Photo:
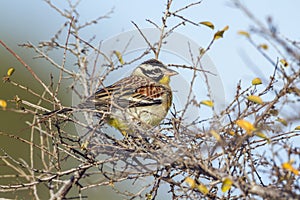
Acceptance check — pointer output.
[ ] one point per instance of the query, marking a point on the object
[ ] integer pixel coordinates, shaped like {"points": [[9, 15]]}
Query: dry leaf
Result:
{"points": [[244, 33], [84, 145], [264, 46], [274, 112], [149, 196], [191, 182], [255, 99], [220, 33], [216, 135], [203, 189], [226, 184], [247, 126], [10, 71], [208, 103], [282, 121], [256, 81], [284, 62], [231, 133], [288, 166], [119, 56], [263, 136], [3, 104], [208, 24]]}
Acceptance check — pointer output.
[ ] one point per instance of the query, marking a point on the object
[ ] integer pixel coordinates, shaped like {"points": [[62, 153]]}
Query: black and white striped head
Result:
{"points": [[154, 70]]}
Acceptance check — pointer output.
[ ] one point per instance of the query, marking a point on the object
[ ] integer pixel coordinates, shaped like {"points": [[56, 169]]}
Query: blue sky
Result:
{"points": [[21, 22]]}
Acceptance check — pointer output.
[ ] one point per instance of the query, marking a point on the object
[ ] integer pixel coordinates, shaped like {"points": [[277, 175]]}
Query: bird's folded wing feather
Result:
{"points": [[129, 92]]}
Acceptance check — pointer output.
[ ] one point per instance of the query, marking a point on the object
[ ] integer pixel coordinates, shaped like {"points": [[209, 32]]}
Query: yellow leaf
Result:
{"points": [[297, 128], [84, 145], [111, 183], [264, 46], [208, 24], [226, 184], [282, 121], [256, 81], [202, 51], [119, 56], [284, 62], [244, 33], [208, 103], [3, 104], [263, 136], [247, 126], [220, 33], [203, 189], [288, 166], [191, 182], [255, 99], [294, 90], [149, 196], [231, 133], [10, 71], [216, 135], [274, 112]]}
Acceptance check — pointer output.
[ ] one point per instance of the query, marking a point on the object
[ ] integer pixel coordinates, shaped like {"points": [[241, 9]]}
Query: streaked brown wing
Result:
{"points": [[104, 95], [133, 91], [147, 95], [151, 90]]}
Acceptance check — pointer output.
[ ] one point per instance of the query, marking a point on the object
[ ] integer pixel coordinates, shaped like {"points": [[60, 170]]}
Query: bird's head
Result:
{"points": [[154, 70]]}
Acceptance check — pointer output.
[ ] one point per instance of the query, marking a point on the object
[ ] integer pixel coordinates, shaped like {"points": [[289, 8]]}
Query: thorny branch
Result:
{"points": [[193, 159]]}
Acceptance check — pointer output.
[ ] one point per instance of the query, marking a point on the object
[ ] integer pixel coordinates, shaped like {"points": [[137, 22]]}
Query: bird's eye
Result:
{"points": [[156, 70]]}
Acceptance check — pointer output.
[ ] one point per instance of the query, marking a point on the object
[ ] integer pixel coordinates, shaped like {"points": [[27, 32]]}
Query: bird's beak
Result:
{"points": [[171, 72]]}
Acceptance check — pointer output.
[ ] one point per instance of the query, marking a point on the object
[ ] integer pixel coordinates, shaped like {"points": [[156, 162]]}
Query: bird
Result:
{"points": [[141, 100]]}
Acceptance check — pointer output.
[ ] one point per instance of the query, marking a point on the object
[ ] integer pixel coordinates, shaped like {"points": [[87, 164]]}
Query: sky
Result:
{"points": [[34, 22]]}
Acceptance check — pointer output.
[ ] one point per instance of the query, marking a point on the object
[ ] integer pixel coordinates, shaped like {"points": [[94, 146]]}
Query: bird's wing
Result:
{"points": [[133, 91]]}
